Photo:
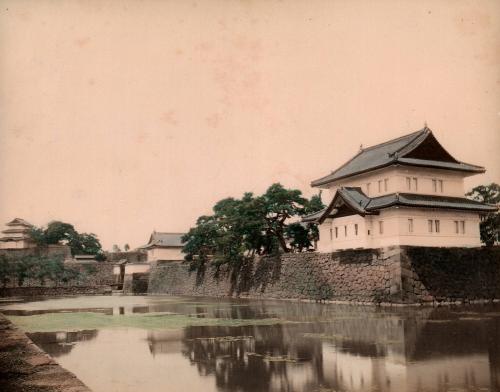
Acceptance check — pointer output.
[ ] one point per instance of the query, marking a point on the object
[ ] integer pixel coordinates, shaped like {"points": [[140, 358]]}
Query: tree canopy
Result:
{"points": [[242, 228], [490, 224], [58, 232]]}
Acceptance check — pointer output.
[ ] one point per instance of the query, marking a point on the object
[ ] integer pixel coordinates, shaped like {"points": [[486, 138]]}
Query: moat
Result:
{"points": [[131, 343]]}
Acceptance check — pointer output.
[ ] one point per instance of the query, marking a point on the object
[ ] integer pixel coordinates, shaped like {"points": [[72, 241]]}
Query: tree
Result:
{"points": [[280, 205], [242, 228], [490, 223], [58, 232], [6, 270], [116, 248], [200, 242], [126, 247]]}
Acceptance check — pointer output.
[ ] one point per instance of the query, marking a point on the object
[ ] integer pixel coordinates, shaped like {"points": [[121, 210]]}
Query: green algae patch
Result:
{"points": [[87, 320]]}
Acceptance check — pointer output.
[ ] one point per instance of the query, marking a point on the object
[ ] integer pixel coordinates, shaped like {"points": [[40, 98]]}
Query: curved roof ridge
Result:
{"points": [[397, 139]]}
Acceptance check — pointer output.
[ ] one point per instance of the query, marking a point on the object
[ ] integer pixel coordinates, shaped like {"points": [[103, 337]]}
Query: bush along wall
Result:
{"points": [[389, 275]]}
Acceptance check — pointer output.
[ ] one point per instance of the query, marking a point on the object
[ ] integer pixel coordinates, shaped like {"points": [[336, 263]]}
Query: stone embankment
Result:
{"points": [[395, 275], [24, 367], [94, 279]]}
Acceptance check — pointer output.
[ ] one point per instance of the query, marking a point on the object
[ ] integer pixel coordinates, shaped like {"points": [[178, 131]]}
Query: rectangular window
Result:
{"points": [[336, 232], [386, 184], [456, 227], [437, 225], [440, 186], [408, 183], [430, 225], [381, 227], [368, 188], [434, 185], [356, 229], [379, 186], [462, 223], [331, 234], [410, 225], [415, 183], [345, 231]]}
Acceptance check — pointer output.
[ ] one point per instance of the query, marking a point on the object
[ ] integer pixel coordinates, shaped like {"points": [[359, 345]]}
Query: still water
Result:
{"points": [[170, 344]]}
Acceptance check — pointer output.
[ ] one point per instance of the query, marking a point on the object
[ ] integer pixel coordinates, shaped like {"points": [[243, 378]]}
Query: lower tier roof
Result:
{"points": [[359, 203]]}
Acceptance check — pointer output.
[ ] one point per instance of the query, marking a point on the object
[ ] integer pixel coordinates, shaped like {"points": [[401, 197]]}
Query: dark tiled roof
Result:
{"points": [[314, 216], [165, 239], [364, 205], [19, 222], [393, 152], [429, 201]]}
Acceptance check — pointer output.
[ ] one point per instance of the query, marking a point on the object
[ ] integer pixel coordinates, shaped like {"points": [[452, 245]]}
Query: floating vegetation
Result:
{"points": [[224, 338], [439, 321], [274, 358], [87, 320], [323, 336], [472, 318]]}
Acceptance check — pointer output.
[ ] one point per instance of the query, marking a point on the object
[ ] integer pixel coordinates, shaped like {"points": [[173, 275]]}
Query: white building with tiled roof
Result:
{"points": [[164, 247], [406, 191], [16, 235]]}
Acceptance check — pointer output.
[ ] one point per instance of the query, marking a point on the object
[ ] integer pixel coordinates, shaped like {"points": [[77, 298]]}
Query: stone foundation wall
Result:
{"points": [[136, 283], [450, 274], [392, 275]]}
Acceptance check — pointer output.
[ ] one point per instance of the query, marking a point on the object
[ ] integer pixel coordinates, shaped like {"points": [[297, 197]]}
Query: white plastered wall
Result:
{"points": [[131, 268], [396, 229], [155, 254], [453, 182]]}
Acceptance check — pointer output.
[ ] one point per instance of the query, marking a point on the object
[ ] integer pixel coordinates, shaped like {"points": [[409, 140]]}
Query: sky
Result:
{"points": [[124, 117]]}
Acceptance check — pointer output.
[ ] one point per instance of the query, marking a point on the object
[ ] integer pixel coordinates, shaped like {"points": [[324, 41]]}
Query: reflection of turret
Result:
{"points": [[346, 348], [165, 342], [58, 344]]}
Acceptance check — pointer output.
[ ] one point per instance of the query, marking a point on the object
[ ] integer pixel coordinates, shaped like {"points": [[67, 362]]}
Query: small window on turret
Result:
{"points": [[410, 225]]}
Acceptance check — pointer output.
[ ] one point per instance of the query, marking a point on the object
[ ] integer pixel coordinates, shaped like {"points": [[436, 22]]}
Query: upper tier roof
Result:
{"points": [[165, 239], [419, 148], [359, 203], [19, 222]]}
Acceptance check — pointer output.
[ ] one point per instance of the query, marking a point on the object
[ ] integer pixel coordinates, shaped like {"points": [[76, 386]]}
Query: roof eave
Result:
{"points": [[317, 183]]}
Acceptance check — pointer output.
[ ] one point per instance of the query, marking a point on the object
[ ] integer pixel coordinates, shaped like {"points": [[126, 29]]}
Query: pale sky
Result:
{"points": [[122, 117]]}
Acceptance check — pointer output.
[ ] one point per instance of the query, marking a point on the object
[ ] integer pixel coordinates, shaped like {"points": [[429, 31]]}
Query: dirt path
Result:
{"points": [[25, 367]]}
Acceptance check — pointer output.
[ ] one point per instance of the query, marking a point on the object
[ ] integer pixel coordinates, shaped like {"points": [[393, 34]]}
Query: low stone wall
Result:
{"points": [[95, 278], [25, 367], [63, 251], [41, 291], [389, 275]]}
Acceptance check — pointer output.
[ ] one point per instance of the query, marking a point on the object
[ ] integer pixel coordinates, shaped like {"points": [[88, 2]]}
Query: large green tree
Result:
{"points": [[58, 232], [242, 228], [490, 223]]}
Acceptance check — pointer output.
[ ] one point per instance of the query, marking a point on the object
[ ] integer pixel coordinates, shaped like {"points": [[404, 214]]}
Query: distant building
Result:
{"points": [[84, 258], [164, 247], [406, 191], [17, 236]]}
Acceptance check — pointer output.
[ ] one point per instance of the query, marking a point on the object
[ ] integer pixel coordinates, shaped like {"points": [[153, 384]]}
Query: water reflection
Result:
{"points": [[320, 348], [57, 344]]}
